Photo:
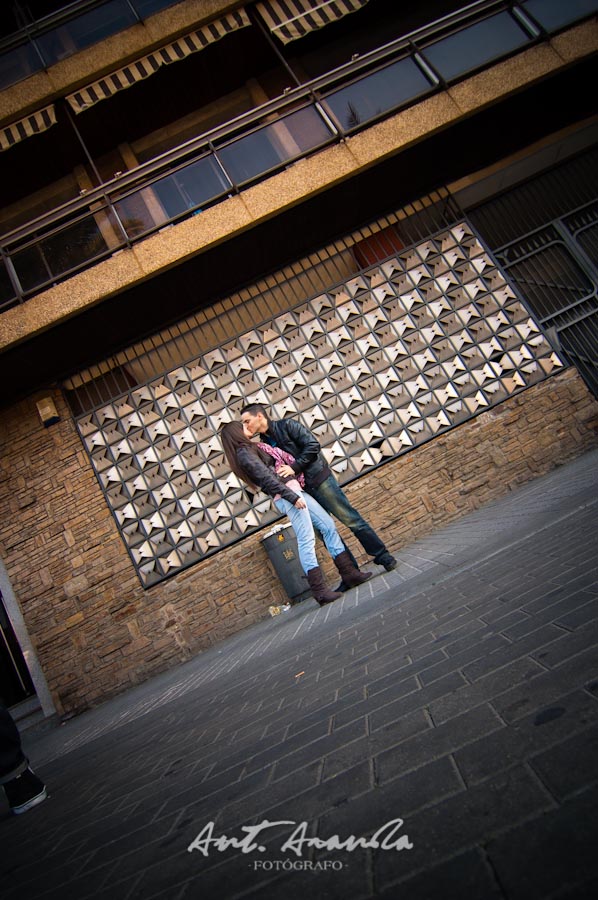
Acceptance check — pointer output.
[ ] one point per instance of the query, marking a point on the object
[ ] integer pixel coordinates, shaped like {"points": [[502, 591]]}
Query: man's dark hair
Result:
{"points": [[254, 408]]}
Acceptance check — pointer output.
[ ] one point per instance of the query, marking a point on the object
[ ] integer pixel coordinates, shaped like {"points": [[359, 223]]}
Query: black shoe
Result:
{"points": [[24, 792], [388, 561]]}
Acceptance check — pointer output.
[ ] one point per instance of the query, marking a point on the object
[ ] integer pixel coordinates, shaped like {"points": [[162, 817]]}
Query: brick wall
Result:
{"points": [[95, 629]]}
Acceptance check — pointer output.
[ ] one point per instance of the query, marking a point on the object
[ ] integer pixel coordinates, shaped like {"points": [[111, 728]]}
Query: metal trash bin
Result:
{"points": [[280, 544]]}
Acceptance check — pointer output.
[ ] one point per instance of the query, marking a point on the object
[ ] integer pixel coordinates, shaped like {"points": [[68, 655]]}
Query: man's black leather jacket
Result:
{"points": [[292, 436]]}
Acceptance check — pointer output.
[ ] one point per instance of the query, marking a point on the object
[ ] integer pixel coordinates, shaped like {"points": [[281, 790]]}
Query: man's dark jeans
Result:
{"points": [[330, 495]]}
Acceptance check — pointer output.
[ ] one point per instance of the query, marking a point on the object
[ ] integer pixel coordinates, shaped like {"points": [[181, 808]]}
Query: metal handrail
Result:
{"points": [[307, 95], [309, 91], [72, 11], [68, 13], [147, 173]]}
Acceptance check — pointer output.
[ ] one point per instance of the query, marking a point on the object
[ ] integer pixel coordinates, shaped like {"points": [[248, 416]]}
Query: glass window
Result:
{"points": [[553, 14], [189, 188], [76, 245], [17, 64], [376, 24], [27, 204], [140, 212], [201, 181], [147, 7], [269, 147], [31, 268], [7, 292], [375, 94], [476, 45], [85, 30]]}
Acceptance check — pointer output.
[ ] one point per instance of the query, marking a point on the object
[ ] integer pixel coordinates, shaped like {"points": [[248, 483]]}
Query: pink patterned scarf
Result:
{"points": [[281, 457]]}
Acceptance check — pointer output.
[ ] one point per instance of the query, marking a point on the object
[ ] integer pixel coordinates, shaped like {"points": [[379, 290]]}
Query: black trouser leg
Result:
{"points": [[12, 759]]}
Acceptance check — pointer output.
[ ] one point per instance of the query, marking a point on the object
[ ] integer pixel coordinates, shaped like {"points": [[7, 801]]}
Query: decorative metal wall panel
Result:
{"points": [[374, 367]]}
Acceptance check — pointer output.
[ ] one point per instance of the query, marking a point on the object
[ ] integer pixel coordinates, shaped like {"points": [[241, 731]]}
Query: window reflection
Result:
{"points": [[553, 14], [7, 292], [274, 144], [18, 64], [76, 33], [476, 45], [59, 253], [31, 268], [85, 30], [147, 7], [189, 188], [200, 182], [377, 93], [140, 212]]}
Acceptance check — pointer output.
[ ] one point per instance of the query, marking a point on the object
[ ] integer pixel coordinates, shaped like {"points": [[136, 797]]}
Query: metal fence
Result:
{"points": [[551, 255]]}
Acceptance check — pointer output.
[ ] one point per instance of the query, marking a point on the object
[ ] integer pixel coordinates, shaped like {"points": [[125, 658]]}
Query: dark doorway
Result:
{"points": [[15, 681]]}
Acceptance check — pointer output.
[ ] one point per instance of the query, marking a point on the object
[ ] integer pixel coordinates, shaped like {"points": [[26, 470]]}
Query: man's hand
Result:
{"points": [[286, 471], [300, 503]]}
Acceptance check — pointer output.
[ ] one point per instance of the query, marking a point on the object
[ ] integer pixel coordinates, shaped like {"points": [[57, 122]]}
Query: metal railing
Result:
{"points": [[48, 40], [218, 163]]}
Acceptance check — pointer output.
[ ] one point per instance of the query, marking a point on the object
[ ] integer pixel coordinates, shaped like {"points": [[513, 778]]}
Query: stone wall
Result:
{"points": [[465, 468], [97, 631]]}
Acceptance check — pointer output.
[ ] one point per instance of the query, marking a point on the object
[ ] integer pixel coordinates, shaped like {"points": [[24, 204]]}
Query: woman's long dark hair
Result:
{"points": [[233, 438]]}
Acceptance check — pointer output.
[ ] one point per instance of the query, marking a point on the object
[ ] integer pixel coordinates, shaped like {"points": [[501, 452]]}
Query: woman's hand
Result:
{"points": [[285, 471], [300, 503]]}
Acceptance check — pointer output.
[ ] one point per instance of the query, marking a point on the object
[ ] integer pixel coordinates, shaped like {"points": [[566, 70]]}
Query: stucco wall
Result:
{"points": [[97, 632]]}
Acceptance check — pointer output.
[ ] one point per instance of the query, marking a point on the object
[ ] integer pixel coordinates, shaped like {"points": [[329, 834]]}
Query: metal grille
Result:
{"points": [[256, 304], [417, 339], [555, 265]]}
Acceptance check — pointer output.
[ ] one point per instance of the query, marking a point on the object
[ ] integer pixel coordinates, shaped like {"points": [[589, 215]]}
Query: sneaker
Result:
{"points": [[24, 792]]}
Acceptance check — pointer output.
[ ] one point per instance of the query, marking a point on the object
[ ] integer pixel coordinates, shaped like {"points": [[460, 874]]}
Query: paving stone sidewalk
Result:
{"points": [[458, 694]]}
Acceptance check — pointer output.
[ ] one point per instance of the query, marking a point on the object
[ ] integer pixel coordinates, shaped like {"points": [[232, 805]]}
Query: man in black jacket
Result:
{"points": [[292, 436]]}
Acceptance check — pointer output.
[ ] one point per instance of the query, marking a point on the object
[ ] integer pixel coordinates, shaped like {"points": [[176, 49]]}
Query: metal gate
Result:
{"points": [[554, 265]]}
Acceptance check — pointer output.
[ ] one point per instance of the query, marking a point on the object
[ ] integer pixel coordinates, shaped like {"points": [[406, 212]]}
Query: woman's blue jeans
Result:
{"points": [[330, 496], [303, 522]]}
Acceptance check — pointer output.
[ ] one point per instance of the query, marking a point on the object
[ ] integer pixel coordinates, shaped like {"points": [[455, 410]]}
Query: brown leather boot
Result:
{"points": [[350, 575], [321, 593]]}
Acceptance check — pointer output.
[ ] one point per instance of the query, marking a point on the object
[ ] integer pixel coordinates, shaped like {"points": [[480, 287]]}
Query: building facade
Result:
{"points": [[381, 220]]}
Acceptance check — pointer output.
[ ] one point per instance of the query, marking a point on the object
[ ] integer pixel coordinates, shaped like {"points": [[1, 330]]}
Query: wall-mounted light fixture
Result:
{"points": [[47, 411]]}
